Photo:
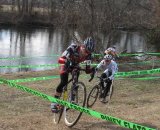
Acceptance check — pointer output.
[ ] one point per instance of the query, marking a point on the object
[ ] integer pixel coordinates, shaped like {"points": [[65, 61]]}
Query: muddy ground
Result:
{"points": [[133, 100]]}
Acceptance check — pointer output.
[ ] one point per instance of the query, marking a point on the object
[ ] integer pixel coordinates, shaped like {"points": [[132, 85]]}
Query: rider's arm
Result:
{"points": [[65, 58], [100, 65], [88, 62], [114, 69], [69, 52]]}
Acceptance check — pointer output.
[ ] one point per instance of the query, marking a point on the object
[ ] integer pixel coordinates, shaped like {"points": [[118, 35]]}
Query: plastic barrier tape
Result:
{"points": [[142, 78], [90, 112], [20, 58], [30, 66], [34, 79], [126, 54], [142, 72], [82, 64], [119, 74], [142, 62], [57, 76], [36, 66], [133, 54]]}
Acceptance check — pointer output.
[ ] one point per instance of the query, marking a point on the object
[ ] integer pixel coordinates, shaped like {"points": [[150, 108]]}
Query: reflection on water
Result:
{"points": [[29, 42], [130, 41]]}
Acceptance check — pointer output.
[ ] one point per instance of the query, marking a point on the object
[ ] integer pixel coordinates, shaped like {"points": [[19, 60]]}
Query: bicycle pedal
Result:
{"points": [[59, 107], [67, 109], [55, 110]]}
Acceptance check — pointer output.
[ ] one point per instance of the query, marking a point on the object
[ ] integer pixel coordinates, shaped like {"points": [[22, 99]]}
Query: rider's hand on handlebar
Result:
{"points": [[70, 63], [108, 80], [92, 73]]}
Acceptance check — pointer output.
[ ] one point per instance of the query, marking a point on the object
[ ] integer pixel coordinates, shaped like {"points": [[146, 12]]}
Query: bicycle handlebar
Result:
{"points": [[104, 79], [81, 69]]}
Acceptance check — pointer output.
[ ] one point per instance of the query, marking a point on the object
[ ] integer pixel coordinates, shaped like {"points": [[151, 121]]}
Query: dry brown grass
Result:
{"points": [[135, 101]]}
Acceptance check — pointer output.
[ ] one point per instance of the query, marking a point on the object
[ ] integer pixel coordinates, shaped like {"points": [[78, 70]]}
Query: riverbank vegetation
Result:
{"points": [[94, 14], [88, 17]]}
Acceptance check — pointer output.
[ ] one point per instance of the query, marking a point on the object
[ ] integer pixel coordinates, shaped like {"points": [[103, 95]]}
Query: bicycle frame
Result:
{"points": [[65, 94], [96, 92]]}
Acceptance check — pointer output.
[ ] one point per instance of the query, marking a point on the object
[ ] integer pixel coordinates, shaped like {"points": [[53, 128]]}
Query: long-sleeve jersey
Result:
{"points": [[108, 67], [72, 53]]}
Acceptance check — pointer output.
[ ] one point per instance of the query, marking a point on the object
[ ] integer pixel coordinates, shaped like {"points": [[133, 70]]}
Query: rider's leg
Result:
{"points": [[59, 89], [75, 88], [103, 76], [107, 87], [63, 82]]}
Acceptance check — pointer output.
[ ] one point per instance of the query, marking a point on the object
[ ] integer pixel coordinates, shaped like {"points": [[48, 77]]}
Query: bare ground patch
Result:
{"points": [[133, 100]]}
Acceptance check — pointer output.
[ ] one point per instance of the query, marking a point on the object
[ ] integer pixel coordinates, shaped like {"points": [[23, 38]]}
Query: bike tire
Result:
{"points": [[71, 116], [57, 116], [93, 95]]}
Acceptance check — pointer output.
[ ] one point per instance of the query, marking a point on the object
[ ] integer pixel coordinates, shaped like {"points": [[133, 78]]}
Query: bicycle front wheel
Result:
{"points": [[57, 116], [77, 96], [92, 96]]}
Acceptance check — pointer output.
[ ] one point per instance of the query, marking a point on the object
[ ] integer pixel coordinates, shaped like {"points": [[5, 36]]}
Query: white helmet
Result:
{"points": [[114, 46], [108, 57]]}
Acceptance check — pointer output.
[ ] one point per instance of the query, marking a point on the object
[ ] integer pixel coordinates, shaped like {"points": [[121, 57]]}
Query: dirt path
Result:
{"points": [[133, 100]]}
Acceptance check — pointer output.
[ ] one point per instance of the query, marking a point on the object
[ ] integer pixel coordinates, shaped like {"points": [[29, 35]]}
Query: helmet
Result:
{"points": [[114, 46], [108, 57], [89, 44]]}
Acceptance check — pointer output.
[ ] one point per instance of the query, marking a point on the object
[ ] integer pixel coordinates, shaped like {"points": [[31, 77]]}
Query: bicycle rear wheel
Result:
{"points": [[72, 116], [92, 96]]}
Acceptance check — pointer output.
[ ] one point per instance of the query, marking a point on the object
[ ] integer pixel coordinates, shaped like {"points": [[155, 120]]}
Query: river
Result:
{"points": [[36, 43]]}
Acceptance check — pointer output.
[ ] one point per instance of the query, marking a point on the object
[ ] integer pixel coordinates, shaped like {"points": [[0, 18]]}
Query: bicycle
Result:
{"points": [[74, 93], [98, 92]]}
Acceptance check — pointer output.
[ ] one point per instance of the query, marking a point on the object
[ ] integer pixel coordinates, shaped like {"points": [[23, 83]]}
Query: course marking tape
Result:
{"points": [[94, 54], [20, 58], [90, 112], [82, 64], [142, 72], [142, 62], [119, 74], [30, 66], [142, 78], [57, 76], [34, 79]]}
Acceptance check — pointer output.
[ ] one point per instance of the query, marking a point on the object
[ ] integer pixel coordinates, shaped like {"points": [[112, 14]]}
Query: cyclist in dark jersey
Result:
{"points": [[72, 56]]}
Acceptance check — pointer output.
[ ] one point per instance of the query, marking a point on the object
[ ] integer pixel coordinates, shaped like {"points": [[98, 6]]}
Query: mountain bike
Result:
{"points": [[98, 92], [73, 92]]}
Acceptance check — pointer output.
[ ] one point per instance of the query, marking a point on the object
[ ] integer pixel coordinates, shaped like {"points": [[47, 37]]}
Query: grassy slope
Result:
{"points": [[133, 100]]}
